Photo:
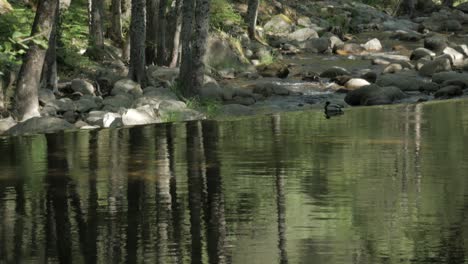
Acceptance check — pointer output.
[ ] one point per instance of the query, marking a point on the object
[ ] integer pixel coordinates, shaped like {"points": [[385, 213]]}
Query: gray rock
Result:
{"points": [[451, 25], [318, 45], [421, 53], [450, 78], [334, 72], [70, 116], [405, 80], [429, 87], [393, 68], [95, 118], [112, 120], [302, 34], [435, 43], [118, 101], [356, 83], [372, 45], [304, 22], [82, 86], [37, 125], [279, 24], [456, 57], [211, 91], [140, 116], [46, 96], [374, 95], [62, 105], [448, 92], [242, 100], [6, 124], [85, 105], [463, 49], [160, 93], [153, 101], [399, 24], [172, 105], [435, 66], [127, 86], [407, 35]]}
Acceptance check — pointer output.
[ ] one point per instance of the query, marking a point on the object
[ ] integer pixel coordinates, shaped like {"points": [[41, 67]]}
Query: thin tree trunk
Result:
{"points": [[137, 41], [116, 22], [448, 3], [202, 16], [188, 7], [176, 39], [252, 14], [161, 40], [49, 70], [27, 102], [97, 23], [152, 30], [407, 7]]}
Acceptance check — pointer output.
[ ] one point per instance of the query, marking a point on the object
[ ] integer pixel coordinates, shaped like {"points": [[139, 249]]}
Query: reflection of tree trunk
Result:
{"points": [[195, 164], [417, 134], [91, 244], [20, 213], [280, 194], [57, 180], [214, 215]]}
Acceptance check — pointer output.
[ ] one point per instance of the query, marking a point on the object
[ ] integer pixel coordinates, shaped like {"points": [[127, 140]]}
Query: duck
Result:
{"points": [[333, 109]]}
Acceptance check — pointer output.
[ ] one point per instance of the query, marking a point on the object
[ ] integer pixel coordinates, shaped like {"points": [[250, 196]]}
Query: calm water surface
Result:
{"points": [[377, 185]]}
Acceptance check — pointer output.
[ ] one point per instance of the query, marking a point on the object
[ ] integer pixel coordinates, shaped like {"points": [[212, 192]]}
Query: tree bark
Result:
{"points": [[188, 7], [96, 31], [137, 41], [407, 7], [448, 3], [252, 14], [202, 16], [27, 102], [176, 38], [116, 22], [152, 32], [161, 54], [49, 70]]}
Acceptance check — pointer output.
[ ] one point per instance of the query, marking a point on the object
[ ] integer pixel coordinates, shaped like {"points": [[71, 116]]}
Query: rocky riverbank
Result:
{"points": [[384, 60]]}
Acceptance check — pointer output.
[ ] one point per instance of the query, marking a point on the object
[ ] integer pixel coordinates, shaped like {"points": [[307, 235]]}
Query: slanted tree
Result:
{"points": [[26, 97], [137, 41], [96, 29], [252, 15], [176, 37]]}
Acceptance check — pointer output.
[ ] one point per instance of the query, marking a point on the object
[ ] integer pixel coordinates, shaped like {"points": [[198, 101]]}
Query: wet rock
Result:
{"points": [[39, 125], [429, 87], [127, 86], [372, 45], [242, 100], [334, 72], [405, 80], [336, 43], [463, 49], [448, 92], [279, 24], [356, 83], [267, 88], [318, 45], [407, 35], [112, 120], [451, 25], [350, 48], [140, 116], [46, 96], [70, 116], [435, 43], [455, 56], [399, 24], [302, 34], [82, 86], [435, 66], [421, 53], [374, 95], [370, 76], [393, 68], [461, 83], [450, 75]]}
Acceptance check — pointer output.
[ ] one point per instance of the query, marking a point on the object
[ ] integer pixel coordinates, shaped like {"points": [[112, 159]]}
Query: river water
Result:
{"points": [[376, 185]]}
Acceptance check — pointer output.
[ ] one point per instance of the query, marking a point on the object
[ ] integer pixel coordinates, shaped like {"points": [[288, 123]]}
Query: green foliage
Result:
{"points": [[209, 107], [171, 116], [223, 15]]}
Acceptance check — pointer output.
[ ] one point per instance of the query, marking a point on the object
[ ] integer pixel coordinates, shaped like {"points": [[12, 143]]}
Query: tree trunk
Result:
{"points": [[252, 14], [49, 70], [448, 3], [27, 103], [161, 54], [137, 41], [96, 31], [116, 22], [202, 16], [186, 62], [152, 30], [176, 38], [407, 7]]}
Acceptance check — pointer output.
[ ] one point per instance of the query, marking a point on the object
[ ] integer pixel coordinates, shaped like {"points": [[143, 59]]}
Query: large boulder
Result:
{"points": [[374, 95], [420, 53], [318, 45], [112, 120], [46, 96], [85, 105], [114, 103], [62, 105], [279, 24], [37, 125], [140, 116], [449, 92], [436, 43], [456, 57], [406, 81], [127, 86], [450, 76], [302, 35], [438, 65], [82, 86], [6, 124], [372, 45], [355, 83]]}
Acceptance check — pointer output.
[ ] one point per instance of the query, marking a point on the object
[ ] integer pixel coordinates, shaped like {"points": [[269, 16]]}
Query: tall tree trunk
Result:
{"points": [[27, 102], [448, 3], [137, 41], [176, 38], [202, 16], [252, 14], [49, 70], [152, 30], [188, 7], [407, 7], [96, 31], [161, 40], [116, 22]]}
